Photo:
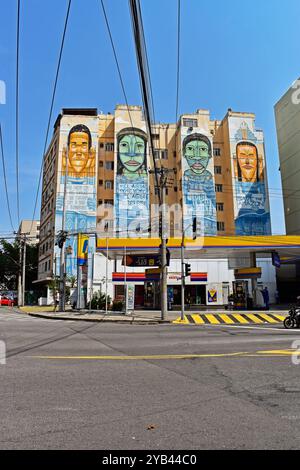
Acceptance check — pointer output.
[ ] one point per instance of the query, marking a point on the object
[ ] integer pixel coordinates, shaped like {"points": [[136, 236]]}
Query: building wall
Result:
{"points": [[287, 115], [94, 199]]}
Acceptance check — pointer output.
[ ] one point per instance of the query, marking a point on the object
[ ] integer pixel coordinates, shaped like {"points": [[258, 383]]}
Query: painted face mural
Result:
{"points": [[197, 153], [77, 186], [251, 205], [247, 162], [131, 204], [198, 184], [81, 156], [132, 152]]}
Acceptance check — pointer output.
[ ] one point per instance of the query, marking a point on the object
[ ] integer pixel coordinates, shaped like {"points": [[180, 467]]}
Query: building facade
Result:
{"points": [[98, 176], [287, 115], [30, 228]]}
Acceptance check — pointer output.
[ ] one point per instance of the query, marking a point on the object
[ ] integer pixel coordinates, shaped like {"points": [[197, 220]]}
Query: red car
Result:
{"points": [[7, 301]]}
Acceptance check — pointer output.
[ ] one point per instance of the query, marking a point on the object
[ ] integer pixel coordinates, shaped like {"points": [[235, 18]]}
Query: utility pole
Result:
{"points": [[24, 270], [61, 240], [163, 172], [164, 269], [20, 290]]}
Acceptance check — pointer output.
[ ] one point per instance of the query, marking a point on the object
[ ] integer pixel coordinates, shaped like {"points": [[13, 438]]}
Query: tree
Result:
{"points": [[9, 265]]}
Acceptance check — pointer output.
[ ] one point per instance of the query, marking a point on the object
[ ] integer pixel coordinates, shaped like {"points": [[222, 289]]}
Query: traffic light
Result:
{"points": [[194, 228], [61, 238], [187, 269]]}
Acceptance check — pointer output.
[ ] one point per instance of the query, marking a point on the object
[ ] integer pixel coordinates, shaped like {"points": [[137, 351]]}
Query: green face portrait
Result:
{"points": [[132, 152], [197, 154]]}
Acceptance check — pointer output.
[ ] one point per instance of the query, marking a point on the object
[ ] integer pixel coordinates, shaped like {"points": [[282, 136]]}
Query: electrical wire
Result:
{"points": [[178, 58], [51, 107], [17, 109], [5, 180], [144, 75]]}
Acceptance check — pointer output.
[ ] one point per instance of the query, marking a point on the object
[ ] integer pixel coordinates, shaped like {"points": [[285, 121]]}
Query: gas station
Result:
{"points": [[242, 254]]}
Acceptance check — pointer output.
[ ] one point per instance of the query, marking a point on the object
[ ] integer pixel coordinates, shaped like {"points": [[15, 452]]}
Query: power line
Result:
{"points": [[17, 108], [51, 108], [116, 59], [178, 59], [143, 68], [5, 179]]}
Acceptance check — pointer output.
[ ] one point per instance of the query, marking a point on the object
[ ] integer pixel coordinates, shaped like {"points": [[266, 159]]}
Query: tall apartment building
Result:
{"points": [[287, 115], [30, 228], [97, 176]]}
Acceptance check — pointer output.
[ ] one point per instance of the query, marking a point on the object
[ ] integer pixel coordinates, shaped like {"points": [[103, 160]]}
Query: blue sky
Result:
{"points": [[239, 55]]}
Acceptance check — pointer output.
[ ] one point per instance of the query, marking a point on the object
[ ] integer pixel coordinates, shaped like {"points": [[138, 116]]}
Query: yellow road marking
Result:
{"points": [[280, 317], [134, 358], [240, 318], [268, 318], [182, 322], [253, 317], [270, 353], [226, 318], [198, 319], [212, 319]]}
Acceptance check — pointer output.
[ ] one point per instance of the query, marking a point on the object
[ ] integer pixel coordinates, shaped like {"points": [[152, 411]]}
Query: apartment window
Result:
{"points": [[100, 202], [220, 206], [175, 189], [100, 182], [155, 136], [217, 152], [109, 147], [219, 188], [109, 165], [156, 154], [101, 145], [174, 153], [220, 226], [218, 170], [164, 154], [190, 122], [109, 184], [109, 202], [100, 163]]}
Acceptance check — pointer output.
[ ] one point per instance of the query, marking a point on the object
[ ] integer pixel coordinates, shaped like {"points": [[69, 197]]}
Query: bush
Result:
{"points": [[117, 306], [99, 301]]}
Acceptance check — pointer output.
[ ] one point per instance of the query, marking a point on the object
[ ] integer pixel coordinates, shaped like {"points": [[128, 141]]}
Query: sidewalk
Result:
{"points": [[138, 316]]}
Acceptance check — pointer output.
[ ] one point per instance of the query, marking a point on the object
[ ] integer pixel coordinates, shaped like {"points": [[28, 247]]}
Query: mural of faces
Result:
{"points": [[131, 152], [81, 157], [247, 162], [197, 151]]}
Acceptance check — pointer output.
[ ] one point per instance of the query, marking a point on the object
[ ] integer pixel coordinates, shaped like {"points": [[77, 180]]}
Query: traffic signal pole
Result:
{"points": [[164, 270], [182, 277]]}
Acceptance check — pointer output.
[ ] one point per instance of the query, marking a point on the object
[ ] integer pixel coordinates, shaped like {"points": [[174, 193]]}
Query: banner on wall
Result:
{"points": [[198, 184], [131, 203], [82, 249]]}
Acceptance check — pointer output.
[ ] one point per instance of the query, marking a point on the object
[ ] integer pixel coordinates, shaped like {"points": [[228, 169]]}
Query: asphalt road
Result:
{"points": [[74, 385]]}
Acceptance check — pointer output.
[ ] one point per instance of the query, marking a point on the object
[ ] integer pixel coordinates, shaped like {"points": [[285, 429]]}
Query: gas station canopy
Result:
{"points": [[220, 247]]}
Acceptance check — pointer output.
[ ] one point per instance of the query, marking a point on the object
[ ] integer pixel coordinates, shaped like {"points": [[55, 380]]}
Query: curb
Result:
{"points": [[100, 320]]}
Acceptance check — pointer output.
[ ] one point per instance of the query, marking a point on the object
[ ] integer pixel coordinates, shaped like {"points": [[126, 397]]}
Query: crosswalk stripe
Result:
{"points": [[198, 319], [212, 319], [239, 318], [253, 317], [190, 319], [267, 318], [279, 317], [226, 318]]}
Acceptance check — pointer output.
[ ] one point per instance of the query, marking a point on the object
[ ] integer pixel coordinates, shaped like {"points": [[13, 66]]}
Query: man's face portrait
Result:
{"points": [[78, 152], [197, 154], [132, 152], [247, 162]]}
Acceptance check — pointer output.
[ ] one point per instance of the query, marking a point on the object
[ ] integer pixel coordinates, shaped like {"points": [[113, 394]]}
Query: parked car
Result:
{"points": [[7, 301]]}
